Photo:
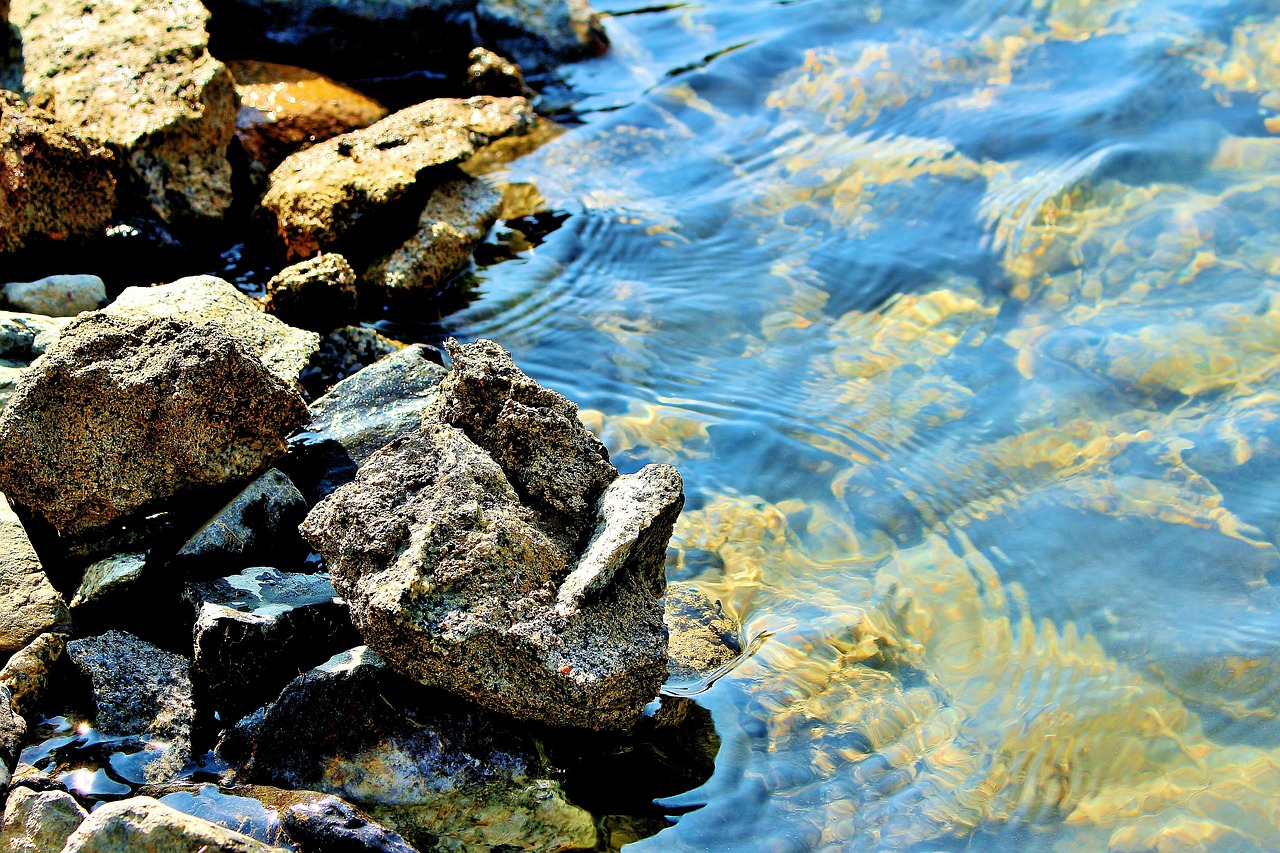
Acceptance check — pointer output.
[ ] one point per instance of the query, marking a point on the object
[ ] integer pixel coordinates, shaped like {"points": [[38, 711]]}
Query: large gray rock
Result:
{"points": [[28, 673], [57, 181], [284, 349], [496, 553], [57, 295], [138, 76], [29, 605], [144, 825], [258, 527], [121, 414], [39, 821], [317, 196]]}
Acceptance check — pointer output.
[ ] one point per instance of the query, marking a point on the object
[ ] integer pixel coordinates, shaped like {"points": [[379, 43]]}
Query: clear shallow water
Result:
{"points": [[962, 322]]}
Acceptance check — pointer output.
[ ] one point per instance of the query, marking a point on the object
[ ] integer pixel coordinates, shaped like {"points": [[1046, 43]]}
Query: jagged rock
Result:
{"points": [[39, 821], [29, 605], [57, 295], [284, 349], [491, 74], [28, 672], [496, 553], [346, 351], [258, 527], [318, 195], [169, 119], [144, 825], [456, 219], [108, 577], [702, 637], [120, 414], [318, 294], [139, 689], [257, 630], [58, 182], [425, 763], [538, 34]]}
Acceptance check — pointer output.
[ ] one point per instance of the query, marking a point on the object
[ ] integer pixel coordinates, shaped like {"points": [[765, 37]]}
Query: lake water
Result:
{"points": [[962, 322]]}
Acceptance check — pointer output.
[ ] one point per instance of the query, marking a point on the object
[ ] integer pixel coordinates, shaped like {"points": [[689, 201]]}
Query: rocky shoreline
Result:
{"points": [[270, 579]]}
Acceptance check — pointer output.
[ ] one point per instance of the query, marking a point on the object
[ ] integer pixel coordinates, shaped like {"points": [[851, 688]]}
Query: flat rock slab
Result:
{"points": [[144, 825], [138, 76], [39, 821], [29, 605]]}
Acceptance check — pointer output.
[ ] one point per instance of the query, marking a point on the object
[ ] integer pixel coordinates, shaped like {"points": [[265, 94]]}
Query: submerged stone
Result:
{"points": [[29, 605], [702, 638], [259, 525], [39, 821], [144, 825], [57, 295]]}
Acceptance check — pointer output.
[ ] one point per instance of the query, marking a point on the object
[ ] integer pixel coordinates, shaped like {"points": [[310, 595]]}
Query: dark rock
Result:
{"points": [[318, 195], [318, 294], [144, 825], [169, 119], [491, 74], [29, 605], [25, 336], [139, 689], [39, 821], [344, 352], [257, 630], [28, 673], [702, 638], [121, 414], [57, 295], [538, 34], [497, 554], [13, 728], [258, 527], [334, 826], [57, 182]]}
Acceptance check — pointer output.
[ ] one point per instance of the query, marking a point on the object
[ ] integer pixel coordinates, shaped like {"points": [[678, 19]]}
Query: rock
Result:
{"points": [[456, 219], [13, 729], [39, 821], [25, 336], [346, 351], [29, 605], [169, 117], [144, 825], [427, 764], [257, 630], [245, 815], [538, 34], [139, 689], [318, 294], [208, 299], [318, 195], [58, 182], [334, 825], [491, 74], [57, 295], [121, 414], [284, 109], [28, 672], [496, 553], [702, 638], [107, 577], [258, 527]]}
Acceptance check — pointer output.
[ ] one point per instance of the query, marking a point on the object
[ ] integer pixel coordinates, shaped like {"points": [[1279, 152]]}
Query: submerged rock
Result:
{"points": [[58, 182], [57, 295], [259, 526], [169, 118], [144, 825], [318, 195], [120, 414], [28, 672], [29, 605], [39, 821], [332, 824], [496, 553], [318, 294]]}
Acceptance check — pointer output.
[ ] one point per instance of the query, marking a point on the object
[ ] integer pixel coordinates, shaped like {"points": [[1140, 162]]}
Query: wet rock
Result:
{"points": [[144, 825], [57, 295], [245, 815], [284, 349], [27, 674], [491, 74], [58, 182], [107, 577], [169, 119], [538, 34], [334, 825], [431, 766], [497, 554], [39, 821], [456, 219], [120, 414], [346, 351], [318, 294], [258, 527], [29, 605], [139, 689], [702, 637], [257, 630], [317, 196]]}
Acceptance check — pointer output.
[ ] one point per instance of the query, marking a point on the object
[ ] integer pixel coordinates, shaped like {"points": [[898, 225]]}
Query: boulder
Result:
{"points": [[144, 825], [13, 729], [139, 77], [208, 299], [318, 294], [121, 414], [58, 182], [39, 821], [29, 605], [334, 824], [317, 196], [496, 553], [457, 218], [57, 295], [258, 527], [27, 674]]}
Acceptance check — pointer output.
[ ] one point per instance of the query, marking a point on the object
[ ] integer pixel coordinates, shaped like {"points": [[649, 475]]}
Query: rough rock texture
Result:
{"points": [[144, 825], [258, 527], [332, 824], [57, 182], [39, 821], [491, 74], [456, 219], [137, 75], [108, 577], [27, 674], [120, 414], [23, 337], [139, 689], [318, 294], [57, 295], [319, 194], [434, 768], [257, 630], [496, 553], [13, 729], [208, 299], [539, 33], [702, 637], [29, 605]]}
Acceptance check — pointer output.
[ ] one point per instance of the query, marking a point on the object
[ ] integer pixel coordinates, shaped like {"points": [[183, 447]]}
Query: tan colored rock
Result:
{"points": [[39, 821], [491, 74], [29, 605], [27, 673], [702, 638], [144, 825], [318, 294]]}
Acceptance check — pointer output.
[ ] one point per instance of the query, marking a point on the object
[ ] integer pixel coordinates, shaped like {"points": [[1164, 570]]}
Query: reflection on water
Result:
{"points": [[962, 322]]}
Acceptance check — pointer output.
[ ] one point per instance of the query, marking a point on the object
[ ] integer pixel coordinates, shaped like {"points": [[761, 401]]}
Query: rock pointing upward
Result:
{"points": [[497, 553]]}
